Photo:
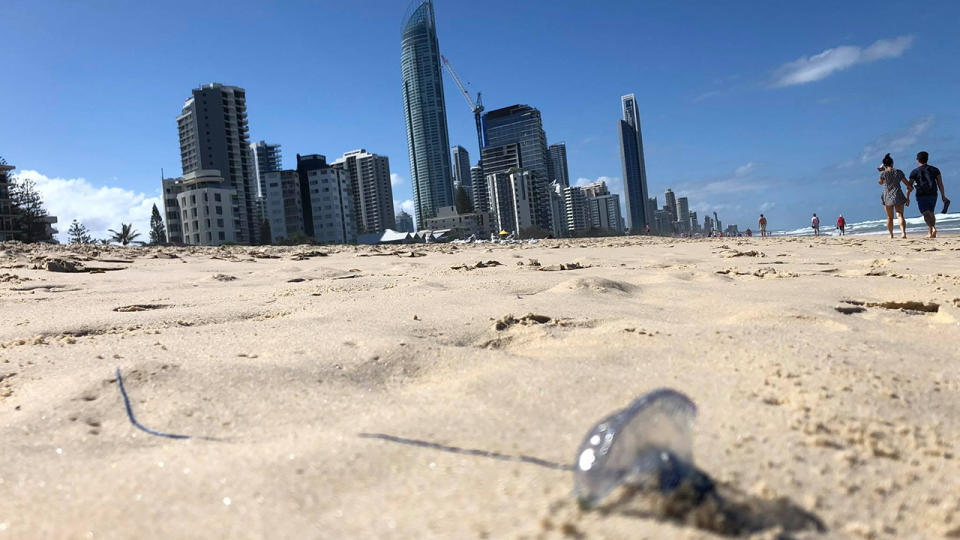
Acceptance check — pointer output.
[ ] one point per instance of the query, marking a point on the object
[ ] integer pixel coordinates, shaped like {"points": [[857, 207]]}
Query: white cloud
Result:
{"points": [[395, 179], [98, 207], [739, 182], [897, 142], [406, 206], [820, 66], [744, 170], [766, 206]]}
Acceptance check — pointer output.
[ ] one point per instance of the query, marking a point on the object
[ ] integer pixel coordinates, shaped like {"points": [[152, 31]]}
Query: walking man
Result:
{"points": [[926, 179], [763, 226], [815, 223], [841, 224]]}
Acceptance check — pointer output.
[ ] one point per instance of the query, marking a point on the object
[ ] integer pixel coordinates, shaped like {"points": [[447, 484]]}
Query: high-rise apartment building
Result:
{"points": [[425, 113], [522, 125], [558, 210], [497, 159], [652, 213], [683, 215], [171, 209], [214, 136], [404, 222], [558, 164], [266, 158], [372, 193], [671, 202], [283, 204], [511, 200], [200, 208], [603, 208], [461, 169], [575, 210], [481, 201], [327, 201], [634, 166]]}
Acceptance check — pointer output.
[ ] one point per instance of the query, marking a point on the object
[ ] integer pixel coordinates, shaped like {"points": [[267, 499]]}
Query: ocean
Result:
{"points": [[946, 224]]}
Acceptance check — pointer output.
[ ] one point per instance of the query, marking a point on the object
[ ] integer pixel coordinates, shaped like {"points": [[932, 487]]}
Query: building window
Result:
{"points": [[208, 223], [219, 210], [216, 197], [193, 212], [222, 236], [220, 223], [196, 238], [193, 199], [209, 237], [204, 197]]}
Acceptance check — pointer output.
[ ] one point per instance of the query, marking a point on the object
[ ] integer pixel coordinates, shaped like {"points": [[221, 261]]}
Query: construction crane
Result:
{"points": [[476, 107]]}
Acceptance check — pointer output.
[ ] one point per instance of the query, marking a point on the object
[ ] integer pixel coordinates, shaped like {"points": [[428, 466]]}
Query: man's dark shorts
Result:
{"points": [[927, 203]]}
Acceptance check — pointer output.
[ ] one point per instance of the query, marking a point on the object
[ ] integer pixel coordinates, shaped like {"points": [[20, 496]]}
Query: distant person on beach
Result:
{"points": [[892, 196], [841, 224], [763, 226], [815, 223], [926, 179]]}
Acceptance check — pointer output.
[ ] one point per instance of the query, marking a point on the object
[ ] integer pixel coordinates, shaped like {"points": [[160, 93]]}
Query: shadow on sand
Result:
{"points": [[720, 509], [697, 502]]}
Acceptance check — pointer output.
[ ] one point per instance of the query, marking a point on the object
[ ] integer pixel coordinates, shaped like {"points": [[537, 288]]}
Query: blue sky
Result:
{"points": [[784, 108]]}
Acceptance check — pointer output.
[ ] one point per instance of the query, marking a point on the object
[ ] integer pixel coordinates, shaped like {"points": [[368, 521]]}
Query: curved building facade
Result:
{"points": [[425, 113]]}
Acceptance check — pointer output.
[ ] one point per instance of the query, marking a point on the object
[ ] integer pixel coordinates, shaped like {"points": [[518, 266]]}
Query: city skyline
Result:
{"points": [[752, 135]]}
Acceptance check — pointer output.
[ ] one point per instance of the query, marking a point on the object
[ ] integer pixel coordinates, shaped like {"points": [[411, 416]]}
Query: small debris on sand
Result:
{"points": [[527, 320], [479, 264], [561, 267]]}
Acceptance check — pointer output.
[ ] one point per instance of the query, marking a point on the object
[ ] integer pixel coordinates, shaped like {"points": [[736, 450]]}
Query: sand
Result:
{"points": [[347, 388]]}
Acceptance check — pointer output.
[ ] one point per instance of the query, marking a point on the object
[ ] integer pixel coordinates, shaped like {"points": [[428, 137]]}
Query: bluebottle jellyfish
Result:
{"points": [[647, 444]]}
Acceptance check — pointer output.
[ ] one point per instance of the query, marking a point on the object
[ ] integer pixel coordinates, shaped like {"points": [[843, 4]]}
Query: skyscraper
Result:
{"points": [[369, 177], [683, 215], [266, 158], [404, 222], [523, 126], [213, 136], [461, 169], [671, 202], [425, 112], [558, 163], [634, 166]]}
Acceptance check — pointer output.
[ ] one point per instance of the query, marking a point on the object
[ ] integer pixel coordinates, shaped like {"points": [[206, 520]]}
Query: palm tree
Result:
{"points": [[126, 234]]}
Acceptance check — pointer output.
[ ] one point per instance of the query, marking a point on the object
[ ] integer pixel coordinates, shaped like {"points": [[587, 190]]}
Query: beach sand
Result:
{"points": [[809, 417]]}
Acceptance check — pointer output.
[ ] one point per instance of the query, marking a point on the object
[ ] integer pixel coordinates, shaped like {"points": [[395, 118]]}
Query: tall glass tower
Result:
{"points": [[634, 166], [522, 125], [425, 112]]}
